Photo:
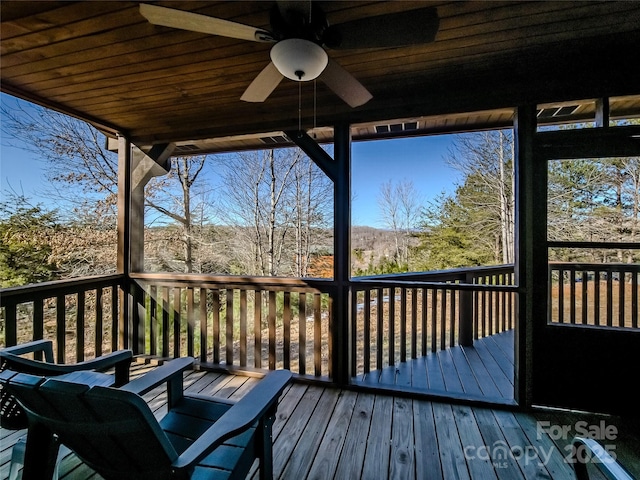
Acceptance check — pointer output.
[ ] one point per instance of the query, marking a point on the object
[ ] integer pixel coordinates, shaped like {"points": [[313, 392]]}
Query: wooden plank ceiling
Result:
{"points": [[103, 62]]}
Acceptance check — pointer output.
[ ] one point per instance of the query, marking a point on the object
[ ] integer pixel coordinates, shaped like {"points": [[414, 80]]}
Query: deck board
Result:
{"points": [[402, 455], [377, 453], [350, 466], [485, 369], [322, 432]]}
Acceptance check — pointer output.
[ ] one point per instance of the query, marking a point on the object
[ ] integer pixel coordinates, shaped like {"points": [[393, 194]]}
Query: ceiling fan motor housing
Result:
{"points": [[298, 59], [290, 22]]}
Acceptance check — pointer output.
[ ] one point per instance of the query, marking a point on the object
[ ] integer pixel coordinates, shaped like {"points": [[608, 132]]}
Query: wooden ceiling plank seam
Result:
{"points": [[171, 54], [498, 17], [75, 86], [520, 14], [66, 32], [13, 11], [136, 22], [52, 17], [196, 38]]}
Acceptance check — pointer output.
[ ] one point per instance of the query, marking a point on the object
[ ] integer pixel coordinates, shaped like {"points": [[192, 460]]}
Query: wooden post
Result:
{"points": [[340, 330], [466, 314], [124, 244], [602, 112], [338, 170], [530, 222], [144, 166]]}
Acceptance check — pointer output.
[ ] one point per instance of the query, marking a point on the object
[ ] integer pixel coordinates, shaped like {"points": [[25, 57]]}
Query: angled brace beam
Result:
{"points": [[153, 163], [315, 152]]}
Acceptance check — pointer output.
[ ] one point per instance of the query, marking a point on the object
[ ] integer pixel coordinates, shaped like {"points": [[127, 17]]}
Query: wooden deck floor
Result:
{"points": [[484, 371], [326, 433]]}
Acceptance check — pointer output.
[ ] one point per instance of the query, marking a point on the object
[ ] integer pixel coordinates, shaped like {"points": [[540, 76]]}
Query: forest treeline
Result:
{"points": [[271, 212]]}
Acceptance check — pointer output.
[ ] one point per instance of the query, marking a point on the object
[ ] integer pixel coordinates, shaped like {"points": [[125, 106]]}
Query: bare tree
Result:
{"points": [[177, 204], [74, 153], [277, 200], [312, 197], [400, 205]]}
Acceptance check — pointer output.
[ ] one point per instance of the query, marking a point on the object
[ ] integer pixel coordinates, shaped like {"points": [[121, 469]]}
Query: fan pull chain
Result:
{"points": [[300, 109], [314, 107]]}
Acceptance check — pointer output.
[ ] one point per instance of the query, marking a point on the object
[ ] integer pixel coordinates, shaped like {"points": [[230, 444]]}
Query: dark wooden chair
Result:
{"points": [[115, 432], [12, 416]]}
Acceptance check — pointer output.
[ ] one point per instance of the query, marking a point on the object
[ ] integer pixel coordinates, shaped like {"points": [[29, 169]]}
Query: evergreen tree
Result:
{"points": [[25, 253]]}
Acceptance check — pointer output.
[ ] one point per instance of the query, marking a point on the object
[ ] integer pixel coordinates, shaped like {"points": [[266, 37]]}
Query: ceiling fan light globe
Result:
{"points": [[299, 59]]}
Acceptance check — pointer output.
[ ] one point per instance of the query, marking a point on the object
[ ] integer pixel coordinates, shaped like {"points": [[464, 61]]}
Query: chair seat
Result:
{"points": [[89, 378], [190, 418]]}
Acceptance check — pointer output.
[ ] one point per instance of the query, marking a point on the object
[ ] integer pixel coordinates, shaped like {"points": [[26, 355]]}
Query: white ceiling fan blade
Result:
{"points": [[169, 17], [345, 85], [262, 86]]}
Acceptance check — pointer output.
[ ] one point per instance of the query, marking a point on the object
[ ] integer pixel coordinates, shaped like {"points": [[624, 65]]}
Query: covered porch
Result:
{"points": [[365, 351]]}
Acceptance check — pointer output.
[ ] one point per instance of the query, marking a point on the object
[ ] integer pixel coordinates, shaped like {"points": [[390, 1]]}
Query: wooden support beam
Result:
{"points": [[124, 239], [153, 163], [530, 203], [144, 166], [588, 143], [340, 330], [315, 152]]}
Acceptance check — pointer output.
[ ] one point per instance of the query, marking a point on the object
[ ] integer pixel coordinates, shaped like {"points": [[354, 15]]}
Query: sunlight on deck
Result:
{"points": [[323, 433]]}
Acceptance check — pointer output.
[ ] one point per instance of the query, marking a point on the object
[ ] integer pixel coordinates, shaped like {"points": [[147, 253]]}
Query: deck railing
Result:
{"points": [[80, 316], [594, 294], [397, 317], [267, 323], [244, 322]]}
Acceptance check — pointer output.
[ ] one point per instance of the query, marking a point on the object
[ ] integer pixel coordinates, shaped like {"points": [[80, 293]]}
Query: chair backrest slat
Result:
{"points": [[113, 431]]}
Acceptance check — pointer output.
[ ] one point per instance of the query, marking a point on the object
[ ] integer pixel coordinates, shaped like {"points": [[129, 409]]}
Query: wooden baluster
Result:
{"points": [[243, 328], [257, 327], [271, 320], [286, 330], [80, 305], [366, 331], [228, 342], [204, 340], [99, 322], [302, 333]]}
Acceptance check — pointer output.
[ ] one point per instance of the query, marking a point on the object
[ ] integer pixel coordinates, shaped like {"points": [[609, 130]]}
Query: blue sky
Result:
{"points": [[419, 160]]}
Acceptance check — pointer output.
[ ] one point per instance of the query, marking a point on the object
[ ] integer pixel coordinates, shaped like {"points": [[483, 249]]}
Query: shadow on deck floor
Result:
{"points": [[327, 433]]}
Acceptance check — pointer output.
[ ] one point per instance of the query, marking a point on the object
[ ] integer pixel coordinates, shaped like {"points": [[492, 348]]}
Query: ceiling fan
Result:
{"points": [[300, 32]]}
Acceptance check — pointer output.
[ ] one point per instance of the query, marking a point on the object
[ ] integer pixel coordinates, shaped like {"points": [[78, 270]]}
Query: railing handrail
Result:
{"points": [[600, 267], [24, 293], [450, 274], [235, 281], [437, 285]]}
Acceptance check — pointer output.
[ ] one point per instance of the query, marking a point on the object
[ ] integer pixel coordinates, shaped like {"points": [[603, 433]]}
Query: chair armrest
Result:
{"points": [[589, 450], [121, 360], [45, 346], [170, 373], [245, 413]]}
